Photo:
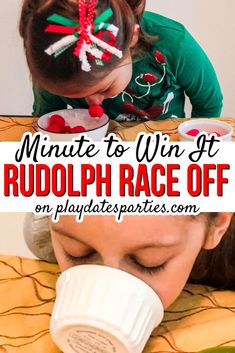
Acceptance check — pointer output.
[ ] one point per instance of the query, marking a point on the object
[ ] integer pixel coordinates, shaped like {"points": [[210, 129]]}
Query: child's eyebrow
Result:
{"points": [[65, 233], [157, 245]]}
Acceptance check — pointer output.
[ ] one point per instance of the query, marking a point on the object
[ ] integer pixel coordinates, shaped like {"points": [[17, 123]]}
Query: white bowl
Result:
{"points": [[103, 309], [205, 125], [96, 128]]}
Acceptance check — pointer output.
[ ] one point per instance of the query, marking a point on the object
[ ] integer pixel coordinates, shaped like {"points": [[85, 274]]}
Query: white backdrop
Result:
{"points": [[211, 22]]}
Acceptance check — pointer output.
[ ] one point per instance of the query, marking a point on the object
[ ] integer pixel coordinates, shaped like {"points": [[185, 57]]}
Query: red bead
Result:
{"points": [[142, 113], [129, 108], [193, 132], [96, 111], [78, 128], [148, 77], [129, 105], [155, 111], [54, 128], [159, 57], [56, 119]]}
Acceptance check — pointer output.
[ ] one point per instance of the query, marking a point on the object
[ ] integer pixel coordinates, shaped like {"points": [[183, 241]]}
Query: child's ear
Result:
{"points": [[135, 36], [217, 230]]}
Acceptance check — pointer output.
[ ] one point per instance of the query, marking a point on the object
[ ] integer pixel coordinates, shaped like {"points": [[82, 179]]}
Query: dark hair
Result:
{"points": [[126, 13], [216, 267]]}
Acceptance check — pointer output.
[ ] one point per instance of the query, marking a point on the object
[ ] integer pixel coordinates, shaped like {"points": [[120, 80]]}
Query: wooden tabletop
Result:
{"points": [[13, 127]]}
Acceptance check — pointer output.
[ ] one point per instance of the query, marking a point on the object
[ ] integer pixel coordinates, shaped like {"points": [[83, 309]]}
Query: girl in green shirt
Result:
{"points": [[143, 69]]}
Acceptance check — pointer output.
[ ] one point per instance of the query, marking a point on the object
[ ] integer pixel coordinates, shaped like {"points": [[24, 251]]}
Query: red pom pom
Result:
{"points": [[148, 77], [56, 119], [54, 128], [78, 128], [67, 129], [193, 132], [96, 111], [215, 132], [159, 57]]}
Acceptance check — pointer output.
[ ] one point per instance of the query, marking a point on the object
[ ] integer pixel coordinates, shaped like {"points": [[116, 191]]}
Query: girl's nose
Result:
{"points": [[112, 261], [95, 99]]}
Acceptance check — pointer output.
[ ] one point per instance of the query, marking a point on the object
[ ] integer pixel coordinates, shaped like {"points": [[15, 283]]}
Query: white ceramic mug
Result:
{"points": [[100, 309]]}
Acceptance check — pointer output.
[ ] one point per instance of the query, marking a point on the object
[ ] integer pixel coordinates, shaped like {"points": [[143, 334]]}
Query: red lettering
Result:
{"points": [[70, 184], [172, 180], [220, 179], [142, 183], [194, 177], [154, 180], [148, 180], [207, 180], [42, 180], [10, 179], [58, 180], [87, 177], [125, 179], [106, 179]]}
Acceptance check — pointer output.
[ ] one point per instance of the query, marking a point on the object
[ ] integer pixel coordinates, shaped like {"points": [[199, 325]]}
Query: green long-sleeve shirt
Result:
{"points": [[175, 67]]}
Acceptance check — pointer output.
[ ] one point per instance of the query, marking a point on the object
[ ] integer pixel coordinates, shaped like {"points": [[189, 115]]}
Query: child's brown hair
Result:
{"points": [[67, 67], [216, 267]]}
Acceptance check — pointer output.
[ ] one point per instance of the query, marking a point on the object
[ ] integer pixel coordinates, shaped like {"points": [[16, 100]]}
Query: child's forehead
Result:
{"points": [[139, 231], [75, 88]]}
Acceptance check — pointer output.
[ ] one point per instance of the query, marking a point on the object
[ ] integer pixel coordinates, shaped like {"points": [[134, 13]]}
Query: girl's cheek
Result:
{"points": [[169, 284], [59, 254], [167, 291]]}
